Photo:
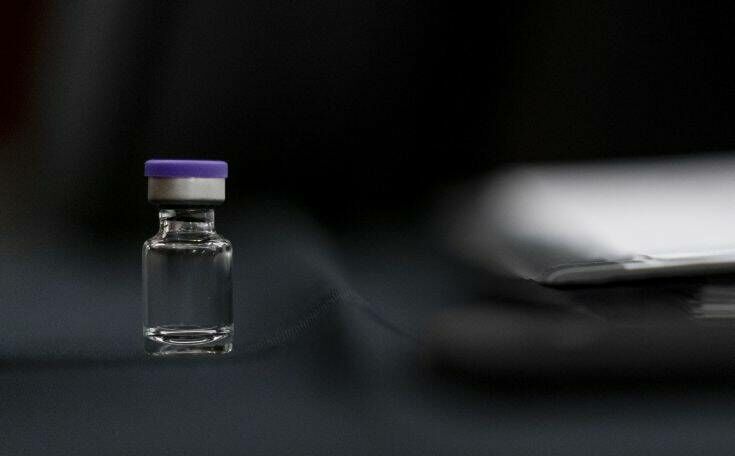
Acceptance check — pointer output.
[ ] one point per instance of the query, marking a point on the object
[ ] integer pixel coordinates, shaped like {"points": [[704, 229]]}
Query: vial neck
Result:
{"points": [[186, 221]]}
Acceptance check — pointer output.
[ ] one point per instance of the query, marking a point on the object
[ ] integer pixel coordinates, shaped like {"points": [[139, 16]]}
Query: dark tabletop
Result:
{"points": [[333, 355]]}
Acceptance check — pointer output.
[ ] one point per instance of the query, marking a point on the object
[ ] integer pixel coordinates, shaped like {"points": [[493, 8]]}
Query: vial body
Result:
{"points": [[187, 285]]}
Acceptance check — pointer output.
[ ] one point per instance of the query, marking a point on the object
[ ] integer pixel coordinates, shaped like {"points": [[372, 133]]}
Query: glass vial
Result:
{"points": [[187, 281]]}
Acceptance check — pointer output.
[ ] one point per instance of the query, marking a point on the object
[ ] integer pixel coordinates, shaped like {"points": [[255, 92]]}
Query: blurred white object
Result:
{"points": [[564, 224]]}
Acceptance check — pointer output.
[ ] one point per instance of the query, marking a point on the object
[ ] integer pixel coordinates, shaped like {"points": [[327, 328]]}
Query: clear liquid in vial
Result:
{"points": [[188, 294]]}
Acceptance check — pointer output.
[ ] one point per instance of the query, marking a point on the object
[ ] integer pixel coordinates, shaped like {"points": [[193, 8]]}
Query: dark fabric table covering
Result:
{"points": [[329, 359]]}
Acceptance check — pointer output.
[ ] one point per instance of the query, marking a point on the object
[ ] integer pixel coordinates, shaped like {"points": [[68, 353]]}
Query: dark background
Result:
{"points": [[348, 109], [343, 123]]}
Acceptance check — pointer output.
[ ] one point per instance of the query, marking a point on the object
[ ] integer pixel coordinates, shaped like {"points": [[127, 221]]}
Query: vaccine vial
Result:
{"points": [[187, 281]]}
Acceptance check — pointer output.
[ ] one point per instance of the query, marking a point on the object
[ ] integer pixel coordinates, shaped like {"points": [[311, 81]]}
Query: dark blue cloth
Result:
{"points": [[330, 358]]}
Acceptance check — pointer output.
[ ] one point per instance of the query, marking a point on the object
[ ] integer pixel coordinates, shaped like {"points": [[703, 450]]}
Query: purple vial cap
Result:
{"points": [[186, 168]]}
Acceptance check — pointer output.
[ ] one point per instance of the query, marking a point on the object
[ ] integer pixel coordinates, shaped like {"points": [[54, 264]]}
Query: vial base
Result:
{"points": [[188, 340]]}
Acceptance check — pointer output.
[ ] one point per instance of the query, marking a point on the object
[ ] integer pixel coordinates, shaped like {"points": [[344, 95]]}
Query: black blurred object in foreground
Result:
{"points": [[645, 330]]}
